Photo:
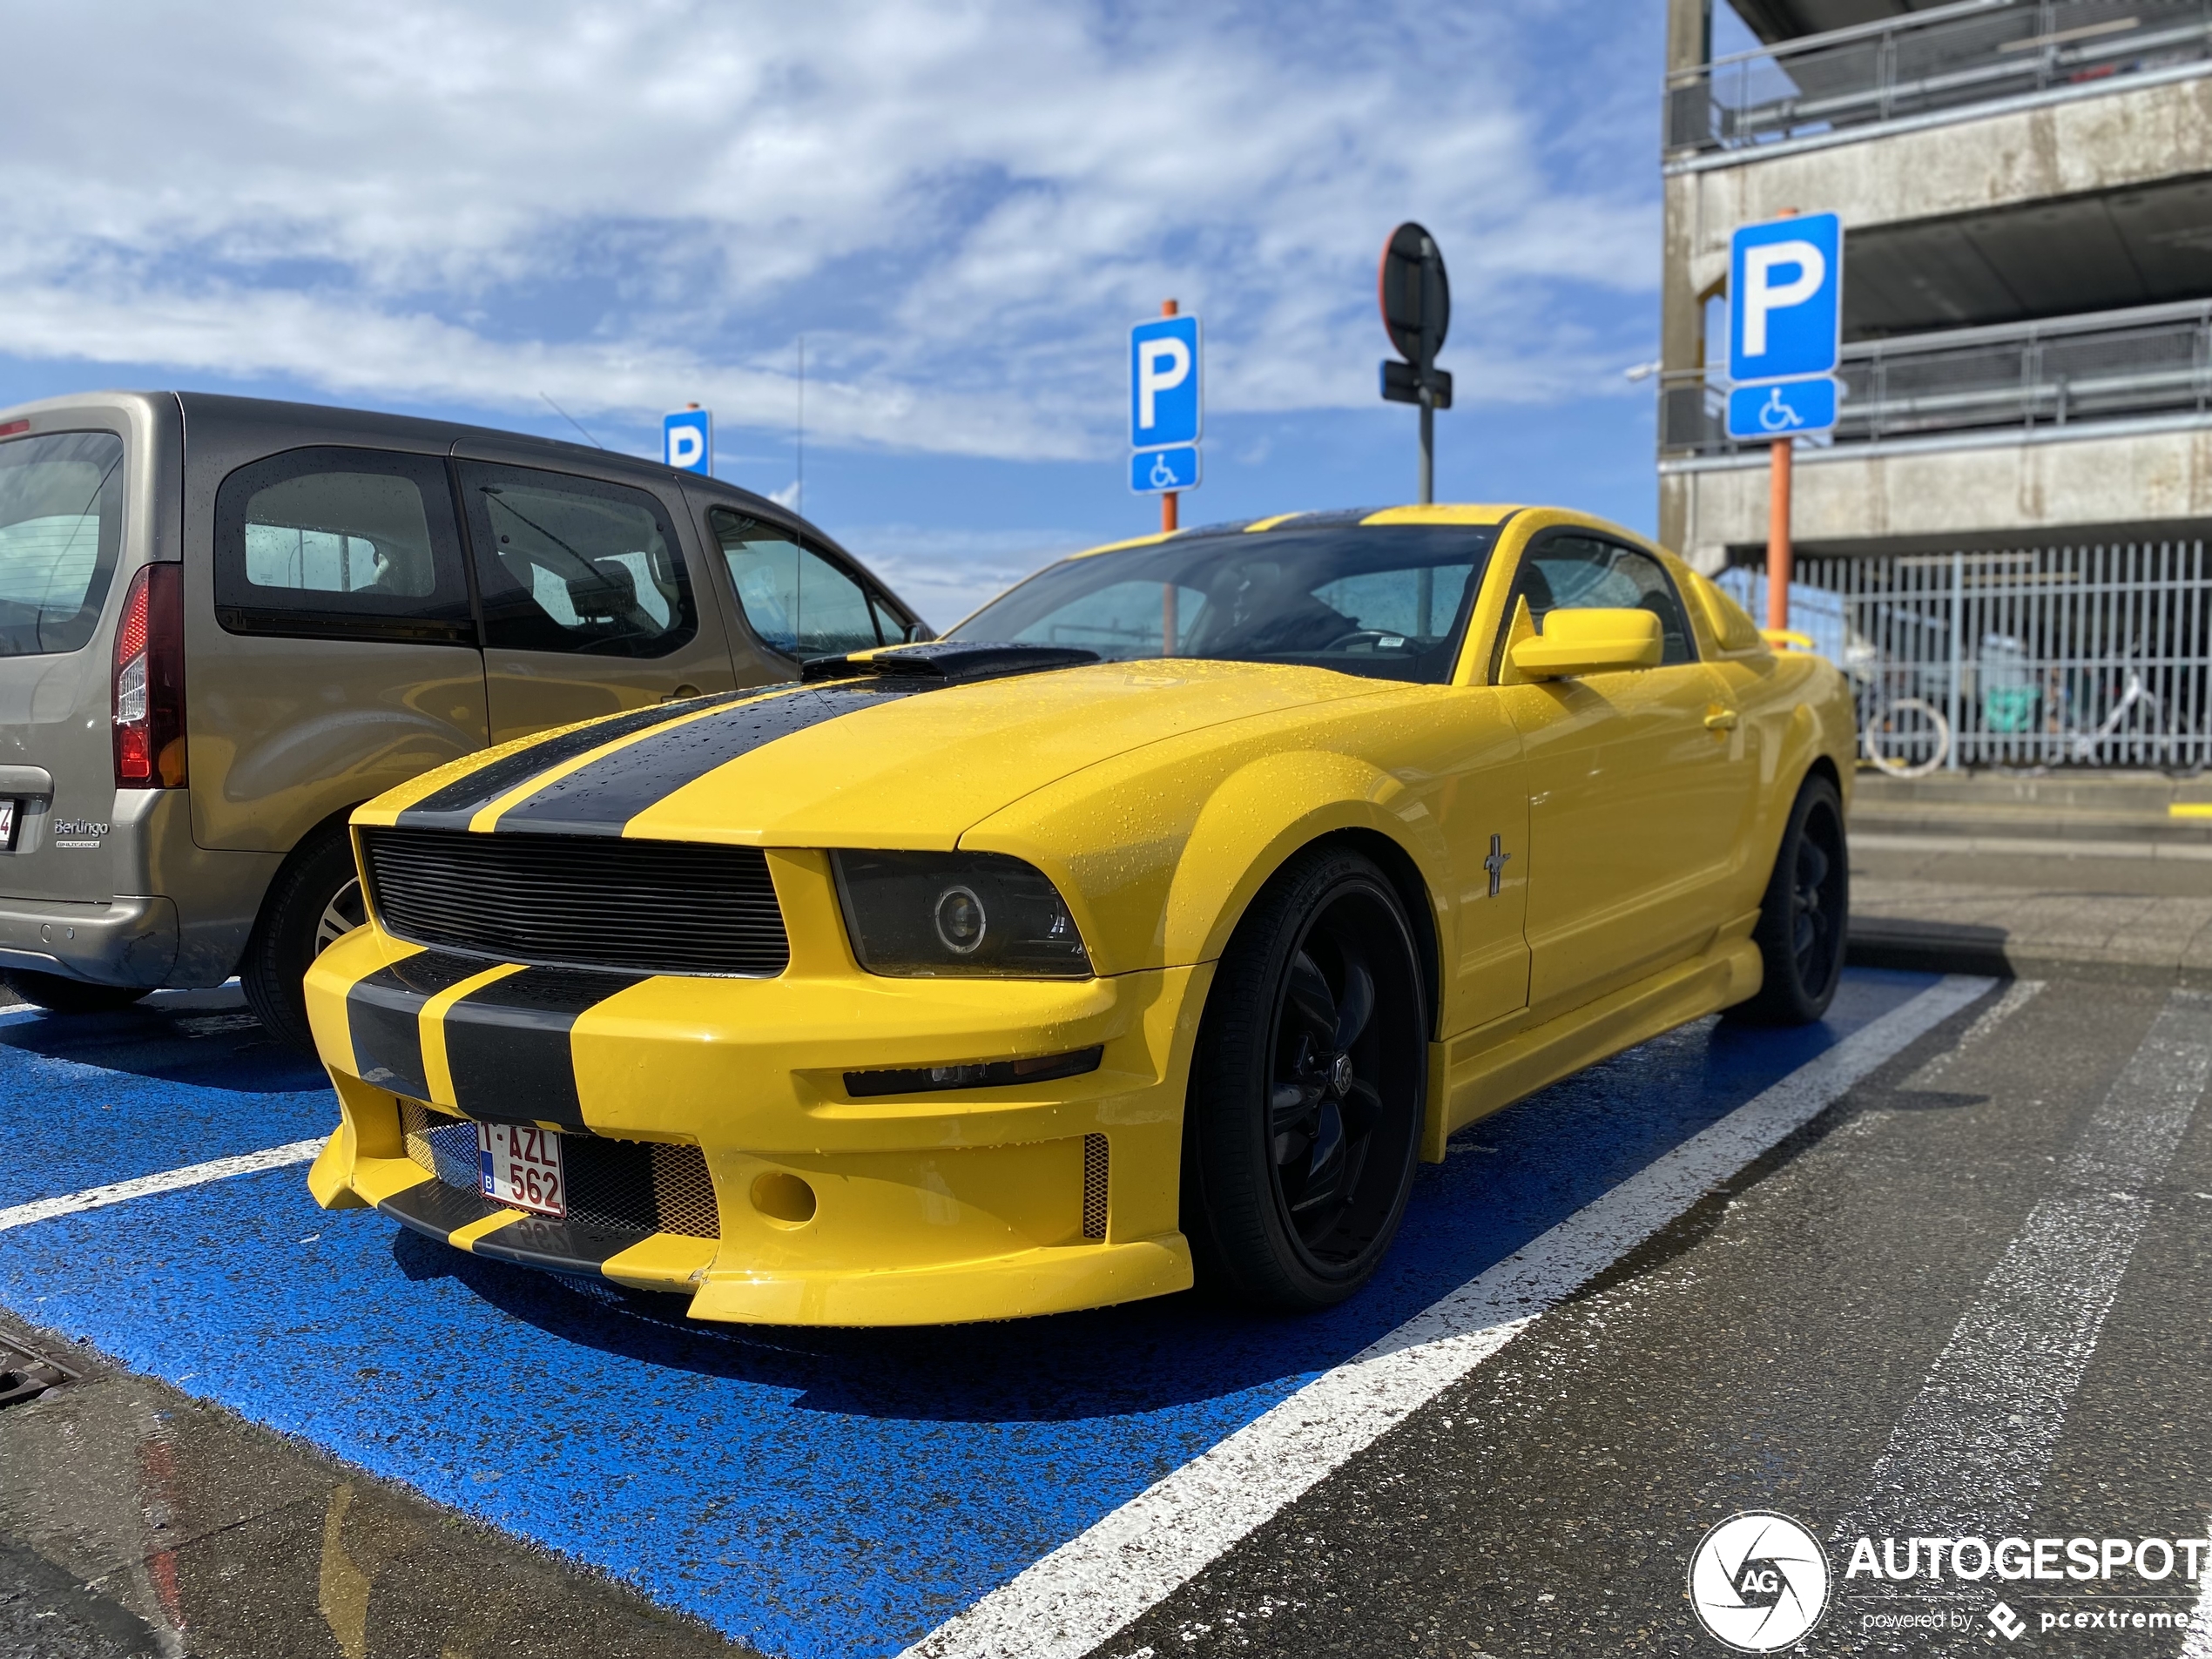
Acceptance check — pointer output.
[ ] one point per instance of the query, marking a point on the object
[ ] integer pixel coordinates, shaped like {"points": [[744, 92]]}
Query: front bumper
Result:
{"points": [[927, 1208]]}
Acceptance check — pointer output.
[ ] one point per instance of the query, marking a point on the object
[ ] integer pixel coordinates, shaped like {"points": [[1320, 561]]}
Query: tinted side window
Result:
{"points": [[1583, 573], [575, 564], [356, 544], [61, 521], [795, 600]]}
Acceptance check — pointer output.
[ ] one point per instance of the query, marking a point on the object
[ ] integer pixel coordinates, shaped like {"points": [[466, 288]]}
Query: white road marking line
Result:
{"points": [[2017, 996], [71, 1203], [1129, 1562], [2197, 1643], [1970, 1453]]}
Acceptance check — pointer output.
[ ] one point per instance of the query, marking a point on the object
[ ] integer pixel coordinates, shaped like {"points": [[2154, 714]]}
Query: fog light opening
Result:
{"points": [[784, 1197]]}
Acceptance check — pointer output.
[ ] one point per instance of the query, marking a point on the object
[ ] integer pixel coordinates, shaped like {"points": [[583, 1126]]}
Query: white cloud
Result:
{"points": [[962, 203]]}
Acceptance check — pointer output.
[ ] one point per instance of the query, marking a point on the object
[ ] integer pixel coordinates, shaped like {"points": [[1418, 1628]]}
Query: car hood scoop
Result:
{"points": [[945, 662]]}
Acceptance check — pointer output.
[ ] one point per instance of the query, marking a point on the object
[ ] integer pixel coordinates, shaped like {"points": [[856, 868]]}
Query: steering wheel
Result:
{"points": [[1358, 635]]}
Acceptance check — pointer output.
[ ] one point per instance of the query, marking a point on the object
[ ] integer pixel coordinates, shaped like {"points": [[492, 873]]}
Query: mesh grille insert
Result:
{"points": [[1095, 1172], [640, 1186], [579, 900]]}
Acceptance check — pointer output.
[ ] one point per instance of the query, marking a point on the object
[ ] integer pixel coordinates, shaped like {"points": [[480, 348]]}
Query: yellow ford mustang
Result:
{"points": [[1150, 926]]}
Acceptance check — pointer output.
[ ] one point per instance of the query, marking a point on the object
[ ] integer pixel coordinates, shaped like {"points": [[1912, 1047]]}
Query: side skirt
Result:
{"points": [[1475, 1074]]}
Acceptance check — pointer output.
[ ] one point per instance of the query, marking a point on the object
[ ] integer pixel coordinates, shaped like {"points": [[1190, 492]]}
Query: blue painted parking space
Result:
{"points": [[181, 1079], [809, 1492]]}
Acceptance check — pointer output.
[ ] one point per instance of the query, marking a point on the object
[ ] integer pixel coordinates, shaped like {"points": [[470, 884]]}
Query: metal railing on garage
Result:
{"points": [[2095, 656], [1925, 62], [2146, 361]]}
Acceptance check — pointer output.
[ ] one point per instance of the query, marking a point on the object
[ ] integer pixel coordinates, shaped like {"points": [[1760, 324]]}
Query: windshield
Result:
{"points": [[60, 519], [1387, 601]]}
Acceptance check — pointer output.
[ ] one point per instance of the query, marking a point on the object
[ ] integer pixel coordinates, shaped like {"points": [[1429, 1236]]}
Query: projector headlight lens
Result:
{"points": [[919, 914], [960, 920]]}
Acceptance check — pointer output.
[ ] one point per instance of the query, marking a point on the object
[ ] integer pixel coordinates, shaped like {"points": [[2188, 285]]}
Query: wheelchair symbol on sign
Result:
{"points": [[1162, 474], [1775, 416]]}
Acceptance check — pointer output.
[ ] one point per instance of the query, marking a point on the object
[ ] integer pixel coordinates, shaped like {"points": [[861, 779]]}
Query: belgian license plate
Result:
{"points": [[520, 1165]]}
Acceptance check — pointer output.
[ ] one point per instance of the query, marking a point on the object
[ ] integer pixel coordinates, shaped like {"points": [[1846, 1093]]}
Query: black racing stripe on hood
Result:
{"points": [[507, 1043], [454, 804], [599, 799]]}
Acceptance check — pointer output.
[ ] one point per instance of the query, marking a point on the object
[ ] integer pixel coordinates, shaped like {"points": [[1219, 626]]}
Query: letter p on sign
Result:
{"points": [[1785, 299], [1164, 383]]}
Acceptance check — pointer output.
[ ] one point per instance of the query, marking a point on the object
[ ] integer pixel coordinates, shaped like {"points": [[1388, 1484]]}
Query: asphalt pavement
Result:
{"points": [[1731, 1270]]}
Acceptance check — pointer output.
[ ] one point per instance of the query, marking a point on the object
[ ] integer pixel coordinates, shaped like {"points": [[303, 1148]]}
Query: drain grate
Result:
{"points": [[25, 1375]]}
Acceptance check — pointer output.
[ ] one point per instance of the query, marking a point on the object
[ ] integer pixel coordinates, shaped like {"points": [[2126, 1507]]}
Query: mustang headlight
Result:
{"points": [[923, 915]]}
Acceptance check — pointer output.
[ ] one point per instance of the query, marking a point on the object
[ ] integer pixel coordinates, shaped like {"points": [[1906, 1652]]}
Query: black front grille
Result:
{"points": [[579, 900]]}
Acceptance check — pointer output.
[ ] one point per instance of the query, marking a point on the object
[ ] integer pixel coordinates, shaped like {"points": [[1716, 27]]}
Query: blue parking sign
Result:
{"points": [[1164, 405], [687, 440], [1785, 286], [1154, 471]]}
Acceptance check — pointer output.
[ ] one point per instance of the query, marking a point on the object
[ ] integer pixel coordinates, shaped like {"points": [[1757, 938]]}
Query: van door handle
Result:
{"points": [[1721, 720]]}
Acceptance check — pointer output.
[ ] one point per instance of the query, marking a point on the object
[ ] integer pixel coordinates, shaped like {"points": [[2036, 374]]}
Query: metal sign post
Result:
{"points": [[1166, 408], [1786, 321], [1417, 310]]}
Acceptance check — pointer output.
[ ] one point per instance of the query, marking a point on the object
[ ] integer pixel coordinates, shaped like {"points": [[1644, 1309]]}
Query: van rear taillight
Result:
{"points": [[150, 682]]}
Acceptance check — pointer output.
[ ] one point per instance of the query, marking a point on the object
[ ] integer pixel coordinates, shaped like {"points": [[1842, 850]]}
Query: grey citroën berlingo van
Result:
{"points": [[226, 623]]}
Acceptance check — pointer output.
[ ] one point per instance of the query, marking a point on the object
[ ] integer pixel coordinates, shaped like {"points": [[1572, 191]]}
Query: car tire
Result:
{"points": [[60, 995], [1805, 916], [1303, 1122], [315, 900]]}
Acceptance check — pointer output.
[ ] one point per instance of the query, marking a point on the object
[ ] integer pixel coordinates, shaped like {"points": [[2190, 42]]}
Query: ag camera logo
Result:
{"points": [[1759, 1582]]}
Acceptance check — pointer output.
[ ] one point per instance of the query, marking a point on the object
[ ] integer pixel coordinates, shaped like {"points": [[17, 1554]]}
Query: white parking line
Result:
{"points": [[2197, 1644], [2017, 996], [1970, 1453], [71, 1203], [1129, 1562]]}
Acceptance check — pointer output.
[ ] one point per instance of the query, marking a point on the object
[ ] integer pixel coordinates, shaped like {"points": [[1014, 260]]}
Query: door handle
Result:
{"points": [[1721, 720]]}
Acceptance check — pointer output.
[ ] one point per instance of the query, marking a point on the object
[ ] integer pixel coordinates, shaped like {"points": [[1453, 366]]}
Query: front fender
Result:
{"points": [[1160, 852]]}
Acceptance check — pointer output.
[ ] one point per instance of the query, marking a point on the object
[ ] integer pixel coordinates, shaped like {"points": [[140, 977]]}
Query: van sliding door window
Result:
{"points": [[575, 564], [61, 521], [341, 544], [795, 600]]}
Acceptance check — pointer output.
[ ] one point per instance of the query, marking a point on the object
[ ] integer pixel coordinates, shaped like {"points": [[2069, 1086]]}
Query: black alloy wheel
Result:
{"points": [[1304, 1118], [1801, 932]]}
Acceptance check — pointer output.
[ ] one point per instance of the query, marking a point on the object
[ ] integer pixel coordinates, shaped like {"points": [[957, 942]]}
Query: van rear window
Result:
{"points": [[61, 523]]}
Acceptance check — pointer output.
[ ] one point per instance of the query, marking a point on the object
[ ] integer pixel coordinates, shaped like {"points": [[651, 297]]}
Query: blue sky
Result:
{"points": [[470, 210]]}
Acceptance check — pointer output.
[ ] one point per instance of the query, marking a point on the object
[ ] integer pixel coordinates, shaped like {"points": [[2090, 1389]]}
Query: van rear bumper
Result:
{"points": [[128, 940]]}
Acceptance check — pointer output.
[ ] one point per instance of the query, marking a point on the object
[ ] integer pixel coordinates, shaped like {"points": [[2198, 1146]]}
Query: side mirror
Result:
{"points": [[1590, 641]]}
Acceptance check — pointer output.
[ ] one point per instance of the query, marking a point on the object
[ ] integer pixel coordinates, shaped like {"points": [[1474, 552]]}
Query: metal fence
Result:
{"points": [[1922, 63], [2054, 657], [2145, 360]]}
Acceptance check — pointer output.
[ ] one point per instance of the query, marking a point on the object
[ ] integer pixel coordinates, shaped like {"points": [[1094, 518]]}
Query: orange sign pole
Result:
{"points": [[1171, 518], [1779, 561]]}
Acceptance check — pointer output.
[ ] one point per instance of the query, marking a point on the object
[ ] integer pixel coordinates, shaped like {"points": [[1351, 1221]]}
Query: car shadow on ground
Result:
{"points": [[1109, 1362], [207, 1039]]}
